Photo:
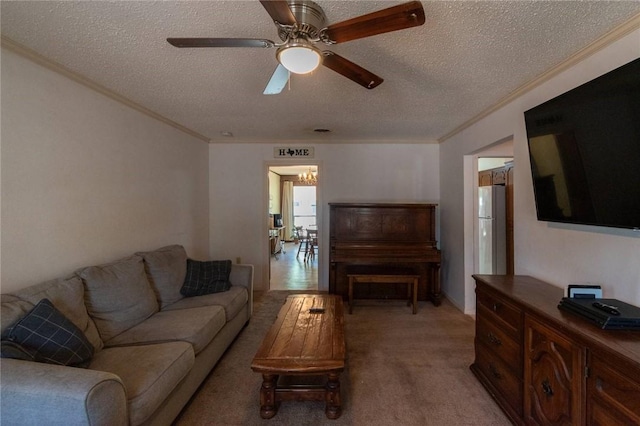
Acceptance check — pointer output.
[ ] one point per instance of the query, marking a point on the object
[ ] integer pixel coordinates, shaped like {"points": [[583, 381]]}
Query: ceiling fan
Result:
{"points": [[301, 24]]}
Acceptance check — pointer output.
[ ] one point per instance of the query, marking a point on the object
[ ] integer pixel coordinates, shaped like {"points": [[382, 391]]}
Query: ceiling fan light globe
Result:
{"points": [[299, 59]]}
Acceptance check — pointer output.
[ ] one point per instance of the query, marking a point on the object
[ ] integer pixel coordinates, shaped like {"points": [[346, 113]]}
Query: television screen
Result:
{"points": [[584, 148]]}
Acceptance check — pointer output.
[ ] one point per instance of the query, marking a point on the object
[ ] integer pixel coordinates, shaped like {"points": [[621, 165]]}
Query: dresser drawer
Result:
{"points": [[553, 375], [612, 394], [500, 376], [492, 336], [508, 316]]}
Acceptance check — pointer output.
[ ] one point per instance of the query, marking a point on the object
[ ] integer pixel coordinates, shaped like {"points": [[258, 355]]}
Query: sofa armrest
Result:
{"points": [[242, 275], [36, 393]]}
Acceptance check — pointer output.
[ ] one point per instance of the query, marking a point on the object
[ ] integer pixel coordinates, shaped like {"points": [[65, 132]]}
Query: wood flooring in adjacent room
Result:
{"points": [[290, 271]]}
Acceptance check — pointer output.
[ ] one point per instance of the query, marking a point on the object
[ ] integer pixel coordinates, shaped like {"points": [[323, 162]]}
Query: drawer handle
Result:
{"points": [[546, 388], [493, 339], [496, 306], [494, 372]]}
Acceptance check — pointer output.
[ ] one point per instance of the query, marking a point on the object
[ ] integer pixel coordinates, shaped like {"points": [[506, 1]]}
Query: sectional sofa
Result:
{"points": [[144, 348]]}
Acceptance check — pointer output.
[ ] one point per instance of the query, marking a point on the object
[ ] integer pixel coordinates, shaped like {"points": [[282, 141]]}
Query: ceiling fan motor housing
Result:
{"points": [[310, 19]]}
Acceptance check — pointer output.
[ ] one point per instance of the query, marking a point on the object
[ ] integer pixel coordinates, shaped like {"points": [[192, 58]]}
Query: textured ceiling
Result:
{"points": [[466, 57]]}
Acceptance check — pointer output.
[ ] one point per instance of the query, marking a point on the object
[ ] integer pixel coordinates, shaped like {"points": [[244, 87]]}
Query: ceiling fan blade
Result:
{"points": [[354, 72], [279, 11], [278, 81], [220, 42], [395, 18]]}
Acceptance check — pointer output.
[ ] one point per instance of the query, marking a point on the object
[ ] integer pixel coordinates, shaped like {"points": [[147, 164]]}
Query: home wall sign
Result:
{"points": [[293, 152]]}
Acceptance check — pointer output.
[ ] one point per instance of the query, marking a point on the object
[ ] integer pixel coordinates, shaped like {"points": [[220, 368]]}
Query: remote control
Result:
{"points": [[607, 308], [316, 310]]}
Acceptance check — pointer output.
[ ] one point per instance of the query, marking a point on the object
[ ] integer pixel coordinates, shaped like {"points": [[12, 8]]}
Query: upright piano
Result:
{"points": [[388, 237]]}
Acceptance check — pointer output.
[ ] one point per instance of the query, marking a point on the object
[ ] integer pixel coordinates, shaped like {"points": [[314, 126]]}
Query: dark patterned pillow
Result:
{"points": [[206, 277], [45, 334]]}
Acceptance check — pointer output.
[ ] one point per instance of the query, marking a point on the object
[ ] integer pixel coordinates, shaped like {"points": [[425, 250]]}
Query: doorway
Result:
{"points": [[495, 215], [472, 182], [294, 263]]}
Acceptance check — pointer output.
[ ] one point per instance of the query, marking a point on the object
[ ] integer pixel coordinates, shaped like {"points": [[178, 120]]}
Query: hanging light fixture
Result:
{"points": [[299, 56], [310, 178]]}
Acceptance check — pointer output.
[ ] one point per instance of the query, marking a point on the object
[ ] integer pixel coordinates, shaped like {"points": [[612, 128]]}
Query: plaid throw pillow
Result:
{"points": [[47, 336], [206, 277]]}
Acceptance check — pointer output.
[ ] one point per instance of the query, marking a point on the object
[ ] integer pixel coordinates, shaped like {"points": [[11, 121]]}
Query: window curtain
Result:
{"points": [[287, 209]]}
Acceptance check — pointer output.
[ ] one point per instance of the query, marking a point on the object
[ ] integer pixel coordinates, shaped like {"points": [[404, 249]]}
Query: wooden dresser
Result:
{"points": [[389, 237], [546, 366]]}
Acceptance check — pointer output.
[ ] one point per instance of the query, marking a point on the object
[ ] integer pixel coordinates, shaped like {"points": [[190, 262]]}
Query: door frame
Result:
{"points": [[501, 148], [266, 259]]}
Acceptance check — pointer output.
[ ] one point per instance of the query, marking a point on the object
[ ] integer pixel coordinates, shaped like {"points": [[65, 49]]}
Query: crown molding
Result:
{"points": [[602, 42], [60, 69]]}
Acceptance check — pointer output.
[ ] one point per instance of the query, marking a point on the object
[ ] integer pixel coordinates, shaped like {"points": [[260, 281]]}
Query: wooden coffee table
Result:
{"points": [[306, 343]]}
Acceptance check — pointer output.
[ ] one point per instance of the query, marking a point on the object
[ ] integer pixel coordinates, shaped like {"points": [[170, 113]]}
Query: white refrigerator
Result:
{"points": [[492, 227]]}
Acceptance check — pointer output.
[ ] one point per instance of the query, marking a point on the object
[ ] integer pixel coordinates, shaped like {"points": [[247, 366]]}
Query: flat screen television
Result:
{"points": [[584, 148]]}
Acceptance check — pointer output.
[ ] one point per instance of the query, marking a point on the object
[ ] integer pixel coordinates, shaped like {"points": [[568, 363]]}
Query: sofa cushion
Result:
{"points": [[166, 269], [118, 295], [233, 301], [149, 373], [12, 309], [49, 336], [197, 326], [67, 295], [206, 277]]}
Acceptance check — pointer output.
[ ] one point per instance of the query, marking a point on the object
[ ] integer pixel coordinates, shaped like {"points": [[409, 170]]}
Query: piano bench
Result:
{"points": [[410, 280]]}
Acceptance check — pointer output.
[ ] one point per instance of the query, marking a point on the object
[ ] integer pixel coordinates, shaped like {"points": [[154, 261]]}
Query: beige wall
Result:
{"points": [[352, 172], [87, 180], [559, 254]]}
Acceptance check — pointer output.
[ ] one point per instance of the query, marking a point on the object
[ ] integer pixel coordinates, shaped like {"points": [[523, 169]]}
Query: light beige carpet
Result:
{"points": [[402, 369]]}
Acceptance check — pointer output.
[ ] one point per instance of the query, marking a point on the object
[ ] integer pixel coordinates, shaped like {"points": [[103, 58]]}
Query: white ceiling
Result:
{"points": [[466, 57]]}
